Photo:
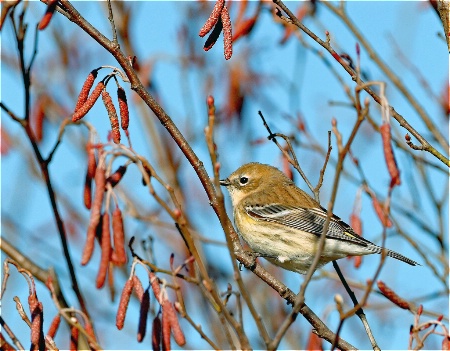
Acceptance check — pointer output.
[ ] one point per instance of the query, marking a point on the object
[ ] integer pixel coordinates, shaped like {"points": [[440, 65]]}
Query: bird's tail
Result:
{"points": [[378, 249], [400, 257]]}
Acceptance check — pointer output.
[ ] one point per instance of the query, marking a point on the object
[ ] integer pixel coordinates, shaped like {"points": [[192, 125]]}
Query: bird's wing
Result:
{"points": [[311, 220]]}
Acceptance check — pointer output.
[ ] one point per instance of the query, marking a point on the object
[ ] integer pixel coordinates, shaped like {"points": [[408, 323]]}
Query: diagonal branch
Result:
{"points": [[247, 260]]}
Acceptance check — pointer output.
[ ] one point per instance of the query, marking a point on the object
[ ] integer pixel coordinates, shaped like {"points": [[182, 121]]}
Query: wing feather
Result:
{"points": [[311, 220]]}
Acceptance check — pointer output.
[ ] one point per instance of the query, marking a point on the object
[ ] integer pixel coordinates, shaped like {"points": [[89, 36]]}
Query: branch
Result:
{"points": [[359, 312], [20, 32], [322, 330], [248, 261]]}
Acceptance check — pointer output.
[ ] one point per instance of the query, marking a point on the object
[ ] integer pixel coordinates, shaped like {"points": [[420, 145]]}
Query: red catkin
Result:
{"points": [[89, 329], [212, 38], [100, 181], [445, 100], [356, 224], [123, 108], [213, 18], [156, 334], [177, 333], [245, 27], [106, 251], [385, 131], [446, 343], [314, 342], [155, 286], [90, 173], [392, 296], [4, 345], [84, 109], [119, 237], [32, 301], [111, 286], [123, 304], [38, 118], [385, 221], [51, 7], [36, 309], [54, 326], [287, 167], [137, 286], [143, 312], [87, 86], [112, 114], [5, 141], [165, 329], [289, 29], [116, 177], [357, 261], [73, 339], [87, 193], [32, 304], [227, 33]]}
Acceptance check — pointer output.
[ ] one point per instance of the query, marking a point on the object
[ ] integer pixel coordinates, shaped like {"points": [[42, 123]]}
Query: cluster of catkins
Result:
{"points": [[86, 102], [113, 252], [220, 21], [99, 223], [165, 322]]}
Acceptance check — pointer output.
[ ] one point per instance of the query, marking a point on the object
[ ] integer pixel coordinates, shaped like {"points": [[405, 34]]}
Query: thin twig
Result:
{"points": [[359, 312], [21, 310], [291, 157], [322, 171], [113, 25]]}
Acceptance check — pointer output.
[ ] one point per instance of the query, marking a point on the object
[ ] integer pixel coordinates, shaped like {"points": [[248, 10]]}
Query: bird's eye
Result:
{"points": [[243, 180]]}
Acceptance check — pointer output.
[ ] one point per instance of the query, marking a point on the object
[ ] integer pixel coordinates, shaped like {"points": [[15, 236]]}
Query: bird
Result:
{"points": [[283, 224]]}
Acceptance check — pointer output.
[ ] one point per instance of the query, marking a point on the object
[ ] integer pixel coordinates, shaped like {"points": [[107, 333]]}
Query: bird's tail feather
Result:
{"points": [[400, 257], [378, 249]]}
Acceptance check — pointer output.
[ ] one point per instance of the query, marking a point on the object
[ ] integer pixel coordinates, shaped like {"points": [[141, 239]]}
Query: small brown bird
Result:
{"points": [[282, 223]]}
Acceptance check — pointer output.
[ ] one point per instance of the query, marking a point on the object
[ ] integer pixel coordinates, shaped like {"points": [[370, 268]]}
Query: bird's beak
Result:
{"points": [[224, 182]]}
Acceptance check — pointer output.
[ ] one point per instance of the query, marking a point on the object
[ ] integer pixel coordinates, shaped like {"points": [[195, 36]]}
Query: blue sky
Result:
{"points": [[297, 82]]}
